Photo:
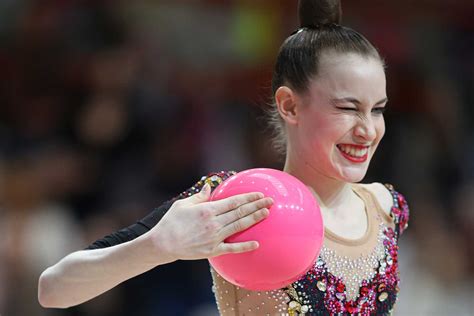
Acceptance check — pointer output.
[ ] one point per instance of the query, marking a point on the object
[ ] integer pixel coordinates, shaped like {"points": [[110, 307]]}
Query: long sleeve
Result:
{"points": [[148, 222], [133, 231]]}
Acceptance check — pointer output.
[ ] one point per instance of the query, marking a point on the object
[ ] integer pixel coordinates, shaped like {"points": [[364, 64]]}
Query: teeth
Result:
{"points": [[353, 151]]}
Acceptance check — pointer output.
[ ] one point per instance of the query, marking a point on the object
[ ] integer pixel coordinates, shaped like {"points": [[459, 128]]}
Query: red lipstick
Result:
{"points": [[351, 158]]}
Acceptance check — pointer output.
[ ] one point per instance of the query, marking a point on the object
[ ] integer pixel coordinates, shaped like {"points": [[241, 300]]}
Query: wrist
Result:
{"points": [[155, 249]]}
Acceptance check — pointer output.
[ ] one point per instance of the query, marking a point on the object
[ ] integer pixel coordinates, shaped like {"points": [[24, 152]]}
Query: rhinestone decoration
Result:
{"points": [[399, 212], [321, 286], [353, 271], [214, 179], [335, 285], [383, 296], [327, 293]]}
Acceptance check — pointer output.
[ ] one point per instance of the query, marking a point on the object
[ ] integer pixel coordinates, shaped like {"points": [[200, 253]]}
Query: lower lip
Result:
{"points": [[354, 159]]}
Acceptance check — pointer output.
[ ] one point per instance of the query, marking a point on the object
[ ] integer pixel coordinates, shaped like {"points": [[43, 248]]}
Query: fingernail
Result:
{"points": [[205, 188]]}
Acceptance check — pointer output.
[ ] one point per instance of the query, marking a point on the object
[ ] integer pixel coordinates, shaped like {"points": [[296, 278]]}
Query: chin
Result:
{"points": [[352, 179], [353, 176]]}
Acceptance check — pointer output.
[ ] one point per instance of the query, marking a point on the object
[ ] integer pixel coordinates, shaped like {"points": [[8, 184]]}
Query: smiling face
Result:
{"points": [[339, 121]]}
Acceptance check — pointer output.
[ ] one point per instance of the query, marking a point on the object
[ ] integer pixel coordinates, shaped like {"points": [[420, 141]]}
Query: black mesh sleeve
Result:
{"points": [[133, 231], [148, 222]]}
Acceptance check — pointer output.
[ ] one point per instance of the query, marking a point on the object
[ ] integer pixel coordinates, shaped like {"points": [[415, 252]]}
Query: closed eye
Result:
{"points": [[347, 109], [379, 110]]}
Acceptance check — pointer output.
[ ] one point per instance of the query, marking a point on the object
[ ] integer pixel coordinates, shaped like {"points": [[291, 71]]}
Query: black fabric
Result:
{"points": [[133, 231], [148, 222]]}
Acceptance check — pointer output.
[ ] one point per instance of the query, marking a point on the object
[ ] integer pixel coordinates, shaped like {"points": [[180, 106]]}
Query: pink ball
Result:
{"points": [[290, 238]]}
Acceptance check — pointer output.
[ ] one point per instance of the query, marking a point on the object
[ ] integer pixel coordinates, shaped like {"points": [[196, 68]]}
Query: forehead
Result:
{"points": [[349, 75]]}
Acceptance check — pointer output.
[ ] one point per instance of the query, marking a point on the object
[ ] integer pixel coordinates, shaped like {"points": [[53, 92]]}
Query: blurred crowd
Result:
{"points": [[108, 108]]}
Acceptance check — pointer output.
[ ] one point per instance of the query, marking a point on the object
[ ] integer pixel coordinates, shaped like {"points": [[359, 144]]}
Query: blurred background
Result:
{"points": [[108, 108]]}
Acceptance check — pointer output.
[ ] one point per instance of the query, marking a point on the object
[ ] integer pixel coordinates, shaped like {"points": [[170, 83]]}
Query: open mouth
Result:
{"points": [[354, 153]]}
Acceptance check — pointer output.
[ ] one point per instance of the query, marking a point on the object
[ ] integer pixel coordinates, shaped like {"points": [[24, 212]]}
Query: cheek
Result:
{"points": [[327, 130], [380, 128]]}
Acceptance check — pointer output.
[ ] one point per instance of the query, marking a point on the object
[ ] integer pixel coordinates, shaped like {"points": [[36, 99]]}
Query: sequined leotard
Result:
{"points": [[350, 277]]}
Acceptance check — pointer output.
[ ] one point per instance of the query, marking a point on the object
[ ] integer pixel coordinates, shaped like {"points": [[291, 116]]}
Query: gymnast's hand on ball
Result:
{"points": [[194, 228]]}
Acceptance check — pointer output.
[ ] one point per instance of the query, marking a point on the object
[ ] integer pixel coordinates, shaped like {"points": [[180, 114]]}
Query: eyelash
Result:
{"points": [[380, 110]]}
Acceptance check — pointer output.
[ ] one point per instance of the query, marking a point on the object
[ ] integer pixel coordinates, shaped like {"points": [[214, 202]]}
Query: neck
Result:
{"points": [[329, 192]]}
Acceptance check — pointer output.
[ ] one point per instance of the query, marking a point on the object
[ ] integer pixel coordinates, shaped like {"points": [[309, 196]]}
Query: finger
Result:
{"points": [[237, 247], [202, 196], [233, 202], [244, 223], [244, 210]]}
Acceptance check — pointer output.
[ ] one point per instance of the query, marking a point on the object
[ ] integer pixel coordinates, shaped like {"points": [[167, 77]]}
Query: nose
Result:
{"points": [[365, 130]]}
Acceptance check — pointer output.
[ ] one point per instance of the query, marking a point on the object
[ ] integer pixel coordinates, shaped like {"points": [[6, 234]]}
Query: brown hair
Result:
{"points": [[298, 59]]}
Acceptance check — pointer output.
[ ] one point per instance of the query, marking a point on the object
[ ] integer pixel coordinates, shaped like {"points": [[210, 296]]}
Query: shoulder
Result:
{"points": [[212, 178], [392, 202], [382, 194]]}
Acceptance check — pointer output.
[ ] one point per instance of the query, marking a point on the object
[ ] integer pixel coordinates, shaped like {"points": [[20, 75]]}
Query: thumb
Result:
{"points": [[202, 196]]}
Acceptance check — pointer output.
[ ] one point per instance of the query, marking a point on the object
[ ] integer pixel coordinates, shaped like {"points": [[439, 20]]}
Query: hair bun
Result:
{"points": [[314, 12]]}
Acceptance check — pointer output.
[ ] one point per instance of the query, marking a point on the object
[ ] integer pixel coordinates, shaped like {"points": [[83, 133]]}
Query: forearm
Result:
{"points": [[86, 274]]}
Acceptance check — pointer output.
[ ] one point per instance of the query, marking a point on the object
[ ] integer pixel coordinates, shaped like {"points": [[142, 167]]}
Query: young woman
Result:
{"points": [[329, 97]]}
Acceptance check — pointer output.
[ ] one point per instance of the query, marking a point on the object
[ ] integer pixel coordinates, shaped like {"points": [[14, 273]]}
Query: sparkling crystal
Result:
{"points": [[381, 287], [383, 296], [340, 296], [389, 260], [321, 286], [354, 271]]}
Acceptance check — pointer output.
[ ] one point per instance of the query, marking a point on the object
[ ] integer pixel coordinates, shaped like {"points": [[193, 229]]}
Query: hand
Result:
{"points": [[194, 228]]}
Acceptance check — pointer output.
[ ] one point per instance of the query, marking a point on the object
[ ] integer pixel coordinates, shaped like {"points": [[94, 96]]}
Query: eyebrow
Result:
{"points": [[355, 101]]}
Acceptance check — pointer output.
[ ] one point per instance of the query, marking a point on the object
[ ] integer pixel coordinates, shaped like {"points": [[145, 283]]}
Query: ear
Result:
{"points": [[286, 101]]}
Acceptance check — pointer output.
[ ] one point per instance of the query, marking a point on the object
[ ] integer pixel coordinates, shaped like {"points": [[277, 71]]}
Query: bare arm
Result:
{"points": [[192, 229], [85, 274]]}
